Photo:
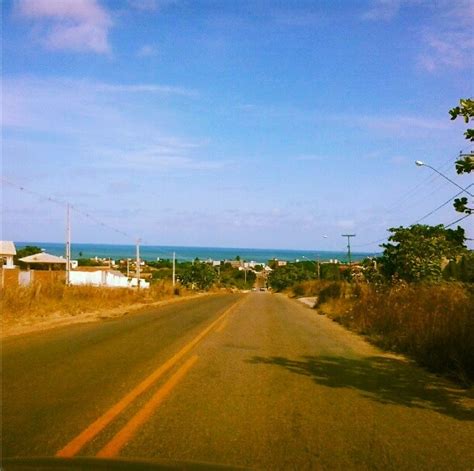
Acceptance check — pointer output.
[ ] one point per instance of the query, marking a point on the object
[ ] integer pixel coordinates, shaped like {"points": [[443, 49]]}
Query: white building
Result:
{"points": [[7, 252], [110, 278]]}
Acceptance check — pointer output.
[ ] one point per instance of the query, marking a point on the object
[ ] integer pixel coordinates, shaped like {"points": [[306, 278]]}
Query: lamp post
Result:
{"points": [[419, 163]]}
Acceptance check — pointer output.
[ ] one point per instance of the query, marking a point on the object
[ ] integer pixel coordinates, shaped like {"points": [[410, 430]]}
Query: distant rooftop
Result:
{"points": [[7, 247], [43, 257]]}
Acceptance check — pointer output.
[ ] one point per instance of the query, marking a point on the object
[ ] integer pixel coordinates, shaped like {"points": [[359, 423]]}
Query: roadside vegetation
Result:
{"points": [[50, 299], [417, 298], [45, 300]]}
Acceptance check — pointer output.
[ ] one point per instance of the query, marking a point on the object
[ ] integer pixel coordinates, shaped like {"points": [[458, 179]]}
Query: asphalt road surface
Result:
{"points": [[254, 380]]}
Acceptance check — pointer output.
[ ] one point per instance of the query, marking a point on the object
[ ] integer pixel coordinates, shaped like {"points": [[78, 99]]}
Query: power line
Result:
{"points": [[442, 205], [427, 180], [410, 193], [55, 200], [458, 220]]}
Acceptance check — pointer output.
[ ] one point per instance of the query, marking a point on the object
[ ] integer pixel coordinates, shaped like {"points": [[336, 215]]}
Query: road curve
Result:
{"points": [[257, 381]]}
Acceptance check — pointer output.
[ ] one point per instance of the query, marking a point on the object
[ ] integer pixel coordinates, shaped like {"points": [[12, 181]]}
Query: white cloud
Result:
{"points": [[79, 25]]}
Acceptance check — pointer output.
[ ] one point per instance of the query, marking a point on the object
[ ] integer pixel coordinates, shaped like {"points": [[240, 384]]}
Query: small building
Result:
{"points": [[44, 259], [7, 252]]}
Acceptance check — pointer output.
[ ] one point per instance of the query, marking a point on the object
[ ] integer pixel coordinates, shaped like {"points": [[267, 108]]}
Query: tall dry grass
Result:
{"points": [[433, 323], [308, 288], [41, 300]]}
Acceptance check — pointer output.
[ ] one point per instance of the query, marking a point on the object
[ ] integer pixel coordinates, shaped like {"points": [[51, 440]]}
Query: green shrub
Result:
{"points": [[332, 291]]}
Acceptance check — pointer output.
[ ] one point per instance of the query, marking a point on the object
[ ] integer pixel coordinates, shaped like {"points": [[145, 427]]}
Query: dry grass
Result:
{"points": [[307, 288], [41, 300], [434, 324]]}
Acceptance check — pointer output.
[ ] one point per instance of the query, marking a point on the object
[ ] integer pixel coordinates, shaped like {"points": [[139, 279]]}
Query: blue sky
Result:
{"points": [[232, 123]]}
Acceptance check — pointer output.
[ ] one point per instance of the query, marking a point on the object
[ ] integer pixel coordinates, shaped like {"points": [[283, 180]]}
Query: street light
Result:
{"points": [[419, 163]]}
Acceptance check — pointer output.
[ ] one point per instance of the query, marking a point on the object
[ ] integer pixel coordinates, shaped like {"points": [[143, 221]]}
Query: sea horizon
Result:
{"points": [[187, 253]]}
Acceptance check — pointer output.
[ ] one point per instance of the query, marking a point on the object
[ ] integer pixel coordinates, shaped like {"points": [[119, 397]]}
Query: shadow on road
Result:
{"points": [[385, 380]]}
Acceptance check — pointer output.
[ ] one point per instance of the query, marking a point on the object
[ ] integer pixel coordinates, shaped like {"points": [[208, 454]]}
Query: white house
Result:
{"points": [[7, 252], [110, 278]]}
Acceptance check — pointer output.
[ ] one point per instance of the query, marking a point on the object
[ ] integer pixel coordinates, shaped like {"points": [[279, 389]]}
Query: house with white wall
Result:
{"points": [[7, 252]]}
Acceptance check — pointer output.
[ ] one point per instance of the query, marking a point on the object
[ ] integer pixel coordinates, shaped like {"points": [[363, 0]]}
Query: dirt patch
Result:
{"points": [[308, 301]]}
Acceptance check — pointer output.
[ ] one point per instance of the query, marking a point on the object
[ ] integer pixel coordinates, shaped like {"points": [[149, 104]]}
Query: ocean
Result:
{"points": [[154, 252]]}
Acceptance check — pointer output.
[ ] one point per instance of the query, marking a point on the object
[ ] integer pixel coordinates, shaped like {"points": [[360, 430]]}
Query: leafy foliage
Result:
{"points": [[461, 269], [284, 277], [330, 271], [233, 277], [89, 262], [26, 251], [198, 274], [465, 164], [417, 252]]}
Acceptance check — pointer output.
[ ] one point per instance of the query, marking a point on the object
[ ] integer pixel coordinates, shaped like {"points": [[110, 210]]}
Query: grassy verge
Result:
{"points": [[39, 301], [432, 323]]}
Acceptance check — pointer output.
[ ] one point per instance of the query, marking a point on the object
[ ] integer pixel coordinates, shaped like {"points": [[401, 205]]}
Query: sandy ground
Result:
{"points": [[26, 325]]}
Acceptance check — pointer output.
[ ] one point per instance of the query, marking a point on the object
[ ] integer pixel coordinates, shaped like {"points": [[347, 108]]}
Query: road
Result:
{"points": [[253, 380]]}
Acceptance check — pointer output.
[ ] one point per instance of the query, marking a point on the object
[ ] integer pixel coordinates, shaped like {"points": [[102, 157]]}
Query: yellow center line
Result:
{"points": [[113, 447], [98, 425], [221, 326]]}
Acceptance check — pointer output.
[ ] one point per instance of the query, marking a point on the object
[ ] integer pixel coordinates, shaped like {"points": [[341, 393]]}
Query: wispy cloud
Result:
{"points": [[145, 88], [147, 50], [310, 158], [28, 99], [297, 18], [79, 25], [384, 10], [150, 5], [396, 126], [445, 37], [448, 49], [165, 156], [449, 43]]}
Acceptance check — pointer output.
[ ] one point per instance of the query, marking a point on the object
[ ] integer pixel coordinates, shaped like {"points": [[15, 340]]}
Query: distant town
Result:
{"points": [[26, 265]]}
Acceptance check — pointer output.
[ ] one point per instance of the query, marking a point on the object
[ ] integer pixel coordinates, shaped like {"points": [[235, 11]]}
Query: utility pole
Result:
{"points": [[138, 263], [128, 268], [68, 244], [174, 269], [349, 245]]}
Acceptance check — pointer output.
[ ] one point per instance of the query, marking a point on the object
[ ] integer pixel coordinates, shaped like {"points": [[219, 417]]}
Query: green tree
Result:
{"points": [[330, 271], [461, 269], [286, 276], [465, 164], [26, 251], [416, 253], [198, 274]]}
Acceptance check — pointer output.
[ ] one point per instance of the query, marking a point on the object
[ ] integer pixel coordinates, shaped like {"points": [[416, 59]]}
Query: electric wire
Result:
{"points": [[55, 200]]}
